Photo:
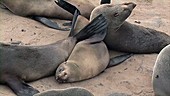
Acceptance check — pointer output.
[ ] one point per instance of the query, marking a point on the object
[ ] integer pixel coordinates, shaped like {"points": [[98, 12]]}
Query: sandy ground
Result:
{"points": [[132, 77]]}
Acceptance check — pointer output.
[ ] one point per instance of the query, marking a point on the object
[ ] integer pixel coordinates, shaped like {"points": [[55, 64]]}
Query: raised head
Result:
{"points": [[115, 14]]}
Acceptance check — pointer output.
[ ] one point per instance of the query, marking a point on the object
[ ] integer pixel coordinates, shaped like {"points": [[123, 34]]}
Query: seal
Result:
{"points": [[72, 91], [161, 73], [88, 58], [47, 8], [39, 9], [29, 63], [129, 37]]}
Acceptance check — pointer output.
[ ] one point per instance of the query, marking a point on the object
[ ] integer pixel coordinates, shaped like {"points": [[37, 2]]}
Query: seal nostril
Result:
{"points": [[65, 73]]}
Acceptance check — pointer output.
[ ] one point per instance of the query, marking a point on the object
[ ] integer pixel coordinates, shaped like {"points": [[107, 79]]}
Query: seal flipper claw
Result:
{"points": [[119, 59], [19, 87], [49, 23]]}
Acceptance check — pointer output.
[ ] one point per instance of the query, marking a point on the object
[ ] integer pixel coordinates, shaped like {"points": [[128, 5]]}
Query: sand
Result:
{"points": [[132, 77]]}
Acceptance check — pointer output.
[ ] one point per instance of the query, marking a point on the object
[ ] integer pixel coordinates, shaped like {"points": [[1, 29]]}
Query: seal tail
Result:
{"points": [[119, 59], [96, 26]]}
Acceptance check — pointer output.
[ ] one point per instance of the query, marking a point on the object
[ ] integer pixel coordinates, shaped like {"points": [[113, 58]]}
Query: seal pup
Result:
{"points": [[161, 73], [29, 63], [129, 37], [88, 58], [39, 9], [72, 91]]}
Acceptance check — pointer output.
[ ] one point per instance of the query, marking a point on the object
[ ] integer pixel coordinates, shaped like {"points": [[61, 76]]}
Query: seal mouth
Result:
{"points": [[60, 80], [62, 75]]}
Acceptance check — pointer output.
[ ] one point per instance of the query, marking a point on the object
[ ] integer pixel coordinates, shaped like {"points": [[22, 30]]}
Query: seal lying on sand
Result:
{"points": [[29, 63], [129, 37], [88, 58], [38, 9], [161, 73], [73, 91]]}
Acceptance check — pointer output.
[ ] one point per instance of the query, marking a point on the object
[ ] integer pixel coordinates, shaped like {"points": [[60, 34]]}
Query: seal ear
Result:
{"points": [[105, 2]]}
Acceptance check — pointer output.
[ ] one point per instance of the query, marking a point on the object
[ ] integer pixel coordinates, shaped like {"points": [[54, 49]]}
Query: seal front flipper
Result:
{"points": [[119, 59], [97, 25], [49, 23], [19, 87], [67, 6]]}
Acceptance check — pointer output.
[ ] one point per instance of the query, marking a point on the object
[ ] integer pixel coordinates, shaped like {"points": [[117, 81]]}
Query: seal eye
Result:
{"points": [[116, 14], [61, 69]]}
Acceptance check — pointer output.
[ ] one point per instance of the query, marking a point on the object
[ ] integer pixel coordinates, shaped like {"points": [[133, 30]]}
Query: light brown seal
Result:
{"points": [[29, 63], [161, 73], [89, 57], [129, 37]]}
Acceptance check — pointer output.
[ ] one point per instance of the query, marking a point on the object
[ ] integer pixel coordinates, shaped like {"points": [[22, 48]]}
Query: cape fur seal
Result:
{"points": [[47, 8], [29, 63], [88, 58], [39, 9], [72, 91], [129, 37], [161, 73]]}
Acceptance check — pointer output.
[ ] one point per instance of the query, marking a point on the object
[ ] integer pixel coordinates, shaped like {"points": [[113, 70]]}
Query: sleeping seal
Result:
{"points": [[72, 91], [129, 37], [161, 73], [29, 63], [39, 9], [47, 8], [89, 57]]}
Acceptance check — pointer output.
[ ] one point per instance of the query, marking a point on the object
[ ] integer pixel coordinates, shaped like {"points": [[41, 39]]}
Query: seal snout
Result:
{"points": [[61, 75], [130, 5]]}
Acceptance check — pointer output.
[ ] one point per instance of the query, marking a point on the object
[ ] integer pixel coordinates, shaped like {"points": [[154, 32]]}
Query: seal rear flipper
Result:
{"points": [[105, 2], [67, 6], [49, 23], [19, 87], [76, 13], [96, 26], [119, 59]]}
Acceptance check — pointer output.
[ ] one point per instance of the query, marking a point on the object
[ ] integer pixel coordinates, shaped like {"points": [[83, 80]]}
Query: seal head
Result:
{"points": [[115, 14]]}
